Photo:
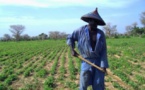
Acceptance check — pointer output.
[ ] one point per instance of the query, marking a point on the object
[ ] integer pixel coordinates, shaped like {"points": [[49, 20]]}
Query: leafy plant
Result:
{"points": [[41, 73]]}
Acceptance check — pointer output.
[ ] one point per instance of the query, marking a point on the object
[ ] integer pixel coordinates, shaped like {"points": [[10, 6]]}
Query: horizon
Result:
{"points": [[64, 16]]}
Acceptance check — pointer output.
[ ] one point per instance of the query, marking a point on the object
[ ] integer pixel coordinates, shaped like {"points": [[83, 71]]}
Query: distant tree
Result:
{"points": [[57, 35], [139, 31], [130, 29], [34, 38], [142, 19], [6, 37], [63, 35], [133, 29], [54, 34], [110, 30], [26, 37], [17, 30], [43, 36], [134, 25]]}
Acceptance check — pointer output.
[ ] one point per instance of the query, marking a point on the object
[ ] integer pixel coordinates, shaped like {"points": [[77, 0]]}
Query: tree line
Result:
{"points": [[131, 30], [17, 31], [109, 29]]}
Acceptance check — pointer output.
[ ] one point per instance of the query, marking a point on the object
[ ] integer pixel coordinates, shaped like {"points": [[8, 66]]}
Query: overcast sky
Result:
{"points": [[42, 16]]}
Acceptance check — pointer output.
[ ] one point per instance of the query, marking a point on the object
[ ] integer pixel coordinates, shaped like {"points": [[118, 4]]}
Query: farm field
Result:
{"points": [[48, 65]]}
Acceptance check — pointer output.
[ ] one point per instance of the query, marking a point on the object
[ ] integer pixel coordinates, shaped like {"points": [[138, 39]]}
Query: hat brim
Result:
{"points": [[99, 22]]}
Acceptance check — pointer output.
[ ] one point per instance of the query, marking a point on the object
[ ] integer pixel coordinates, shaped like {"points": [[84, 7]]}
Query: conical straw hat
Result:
{"points": [[93, 15]]}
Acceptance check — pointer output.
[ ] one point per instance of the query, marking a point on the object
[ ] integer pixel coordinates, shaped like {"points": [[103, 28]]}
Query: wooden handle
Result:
{"points": [[108, 73], [79, 56]]}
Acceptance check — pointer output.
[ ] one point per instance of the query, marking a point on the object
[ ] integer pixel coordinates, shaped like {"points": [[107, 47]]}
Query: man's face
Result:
{"points": [[92, 23]]}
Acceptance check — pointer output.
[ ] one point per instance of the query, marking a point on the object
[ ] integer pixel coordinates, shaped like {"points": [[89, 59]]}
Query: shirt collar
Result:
{"points": [[87, 33]]}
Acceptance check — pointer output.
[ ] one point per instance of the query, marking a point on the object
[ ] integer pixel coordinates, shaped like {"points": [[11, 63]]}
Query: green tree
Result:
{"points": [[43, 36]]}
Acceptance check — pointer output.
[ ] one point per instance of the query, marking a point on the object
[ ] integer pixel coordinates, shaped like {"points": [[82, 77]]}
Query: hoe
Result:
{"points": [[107, 73]]}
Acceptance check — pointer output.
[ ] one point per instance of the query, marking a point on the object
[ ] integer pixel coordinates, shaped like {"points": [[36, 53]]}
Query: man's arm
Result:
{"points": [[104, 59], [71, 42], [73, 52]]}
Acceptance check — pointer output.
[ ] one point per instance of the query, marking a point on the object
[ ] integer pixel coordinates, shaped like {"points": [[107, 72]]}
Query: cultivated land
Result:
{"points": [[48, 65]]}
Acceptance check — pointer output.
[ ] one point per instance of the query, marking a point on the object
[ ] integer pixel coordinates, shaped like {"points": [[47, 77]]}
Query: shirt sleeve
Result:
{"points": [[104, 59], [72, 38]]}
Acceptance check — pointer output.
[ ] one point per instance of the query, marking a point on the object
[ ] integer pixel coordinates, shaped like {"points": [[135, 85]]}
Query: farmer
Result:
{"points": [[91, 44]]}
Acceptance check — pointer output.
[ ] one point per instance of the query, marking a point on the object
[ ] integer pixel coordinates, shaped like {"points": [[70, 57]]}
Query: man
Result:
{"points": [[91, 44]]}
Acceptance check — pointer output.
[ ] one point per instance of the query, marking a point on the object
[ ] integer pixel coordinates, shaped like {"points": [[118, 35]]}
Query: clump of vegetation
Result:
{"points": [[49, 83], [3, 77], [42, 73], [28, 72], [71, 85], [11, 78], [3, 87]]}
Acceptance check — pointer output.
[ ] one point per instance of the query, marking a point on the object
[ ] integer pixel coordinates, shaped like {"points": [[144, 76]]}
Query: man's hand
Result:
{"points": [[105, 70], [74, 53]]}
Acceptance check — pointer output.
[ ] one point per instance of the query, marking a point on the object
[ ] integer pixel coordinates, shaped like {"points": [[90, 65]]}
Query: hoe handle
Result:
{"points": [[108, 73], [80, 57]]}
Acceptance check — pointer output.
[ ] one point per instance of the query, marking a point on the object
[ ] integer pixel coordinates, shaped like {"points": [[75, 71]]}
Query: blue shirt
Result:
{"points": [[98, 56]]}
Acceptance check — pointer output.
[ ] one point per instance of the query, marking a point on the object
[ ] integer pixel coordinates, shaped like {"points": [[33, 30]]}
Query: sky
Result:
{"points": [[43, 16]]}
